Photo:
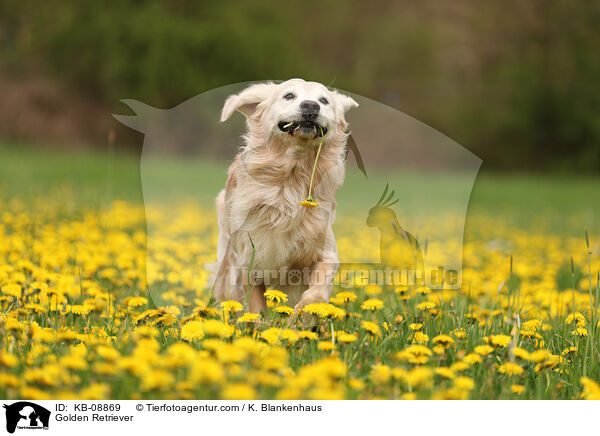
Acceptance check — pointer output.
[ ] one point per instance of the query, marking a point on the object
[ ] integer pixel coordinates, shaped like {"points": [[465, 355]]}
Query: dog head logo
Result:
{"points": [[430, 173], [26, 415]]}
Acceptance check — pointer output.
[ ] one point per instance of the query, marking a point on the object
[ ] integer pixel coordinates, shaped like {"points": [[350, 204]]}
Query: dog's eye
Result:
{"points": [[324, 100], [289, 96]]}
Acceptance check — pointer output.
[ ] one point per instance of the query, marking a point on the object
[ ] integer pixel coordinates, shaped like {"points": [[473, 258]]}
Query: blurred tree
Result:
{"points": [[513, 81]]}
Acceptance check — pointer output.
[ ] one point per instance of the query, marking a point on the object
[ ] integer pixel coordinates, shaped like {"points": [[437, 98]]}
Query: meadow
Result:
{"points": [[78, 320]]}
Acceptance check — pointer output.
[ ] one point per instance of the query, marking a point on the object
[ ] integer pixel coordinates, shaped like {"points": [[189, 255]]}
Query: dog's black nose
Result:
{"points": [[309, 109]]}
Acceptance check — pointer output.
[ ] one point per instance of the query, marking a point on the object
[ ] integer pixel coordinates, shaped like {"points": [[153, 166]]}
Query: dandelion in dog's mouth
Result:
{"points": [[292, 127], [309, 201]]}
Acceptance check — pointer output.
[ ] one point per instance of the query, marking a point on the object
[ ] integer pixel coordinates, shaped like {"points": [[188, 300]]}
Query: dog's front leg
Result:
{"points": [[228, 283], [257, 302], [321, 275], [320, 283]]}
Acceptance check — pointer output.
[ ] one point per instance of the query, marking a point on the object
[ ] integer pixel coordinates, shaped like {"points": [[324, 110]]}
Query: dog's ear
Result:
{"points": [[247, 100], [345, 102]]}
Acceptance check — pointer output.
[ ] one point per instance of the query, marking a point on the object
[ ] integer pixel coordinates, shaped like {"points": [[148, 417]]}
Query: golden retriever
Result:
{"points": [[266, 238]]}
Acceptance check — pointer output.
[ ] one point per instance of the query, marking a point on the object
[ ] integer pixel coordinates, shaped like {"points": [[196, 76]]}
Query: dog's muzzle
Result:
{"points": [[302, 128], [307, 125]]}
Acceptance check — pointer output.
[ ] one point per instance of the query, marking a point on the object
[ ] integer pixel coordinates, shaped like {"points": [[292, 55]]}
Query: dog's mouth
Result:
{"points": [[303, 128]]}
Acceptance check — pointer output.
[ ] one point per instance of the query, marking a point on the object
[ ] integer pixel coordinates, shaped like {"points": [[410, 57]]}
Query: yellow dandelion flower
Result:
{"points": [[325, 310], [579, 331], [371, 327], [134, 302], [356, 384], [420, 338], [417, 354], [249, 317], [483, 350], [373, 290], [276, 296], [423, 290], [500, 341], [79, 309], [206, 371], [532, 324], [192, 331], [309, 203], [530, 334], [472, 358], [517, 389], [347, 337], [156, 379], [95, 391], [459, 333], [231, 306], [445, 372], [443, 340], [9, 381], [213, 327], [426, 305], [12, 289], [510, 368], [464, 383], [551, 362], [539, 356], [521, 353], [439, 349], [8, 360], [420, 376], [307, 334], [402, 290], [272, 335], [32, 393], [73, 362], [577, 318], [372, 304], [346, 296], [290, 336], [284, 310], [461, 365], [238, 391], [325, 346], [591, 390], [380, 374]]}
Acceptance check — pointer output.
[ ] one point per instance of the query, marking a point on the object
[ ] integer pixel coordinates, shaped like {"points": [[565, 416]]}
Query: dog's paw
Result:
{"points": [[312, 295]]}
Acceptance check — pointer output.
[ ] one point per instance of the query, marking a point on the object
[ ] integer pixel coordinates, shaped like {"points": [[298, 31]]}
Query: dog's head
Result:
{"points": [[294, 110]]}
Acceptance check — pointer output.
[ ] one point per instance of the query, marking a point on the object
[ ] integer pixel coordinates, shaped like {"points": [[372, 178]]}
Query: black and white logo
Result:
{"points": [[26, 415]]}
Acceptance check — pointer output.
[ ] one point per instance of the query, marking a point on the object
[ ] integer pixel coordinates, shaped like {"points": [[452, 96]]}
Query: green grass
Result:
{"points": [[78, 181], [97, 177]]}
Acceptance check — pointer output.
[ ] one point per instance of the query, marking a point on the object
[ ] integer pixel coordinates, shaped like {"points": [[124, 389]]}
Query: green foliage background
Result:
{"points": [[515, 82]]}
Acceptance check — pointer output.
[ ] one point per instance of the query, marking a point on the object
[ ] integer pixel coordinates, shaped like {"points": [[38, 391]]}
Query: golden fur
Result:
{"points": [[266, 181]]}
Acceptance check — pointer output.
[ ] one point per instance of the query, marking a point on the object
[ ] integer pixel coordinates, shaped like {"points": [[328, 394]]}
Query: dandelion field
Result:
{"points": [[77, 320]]}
